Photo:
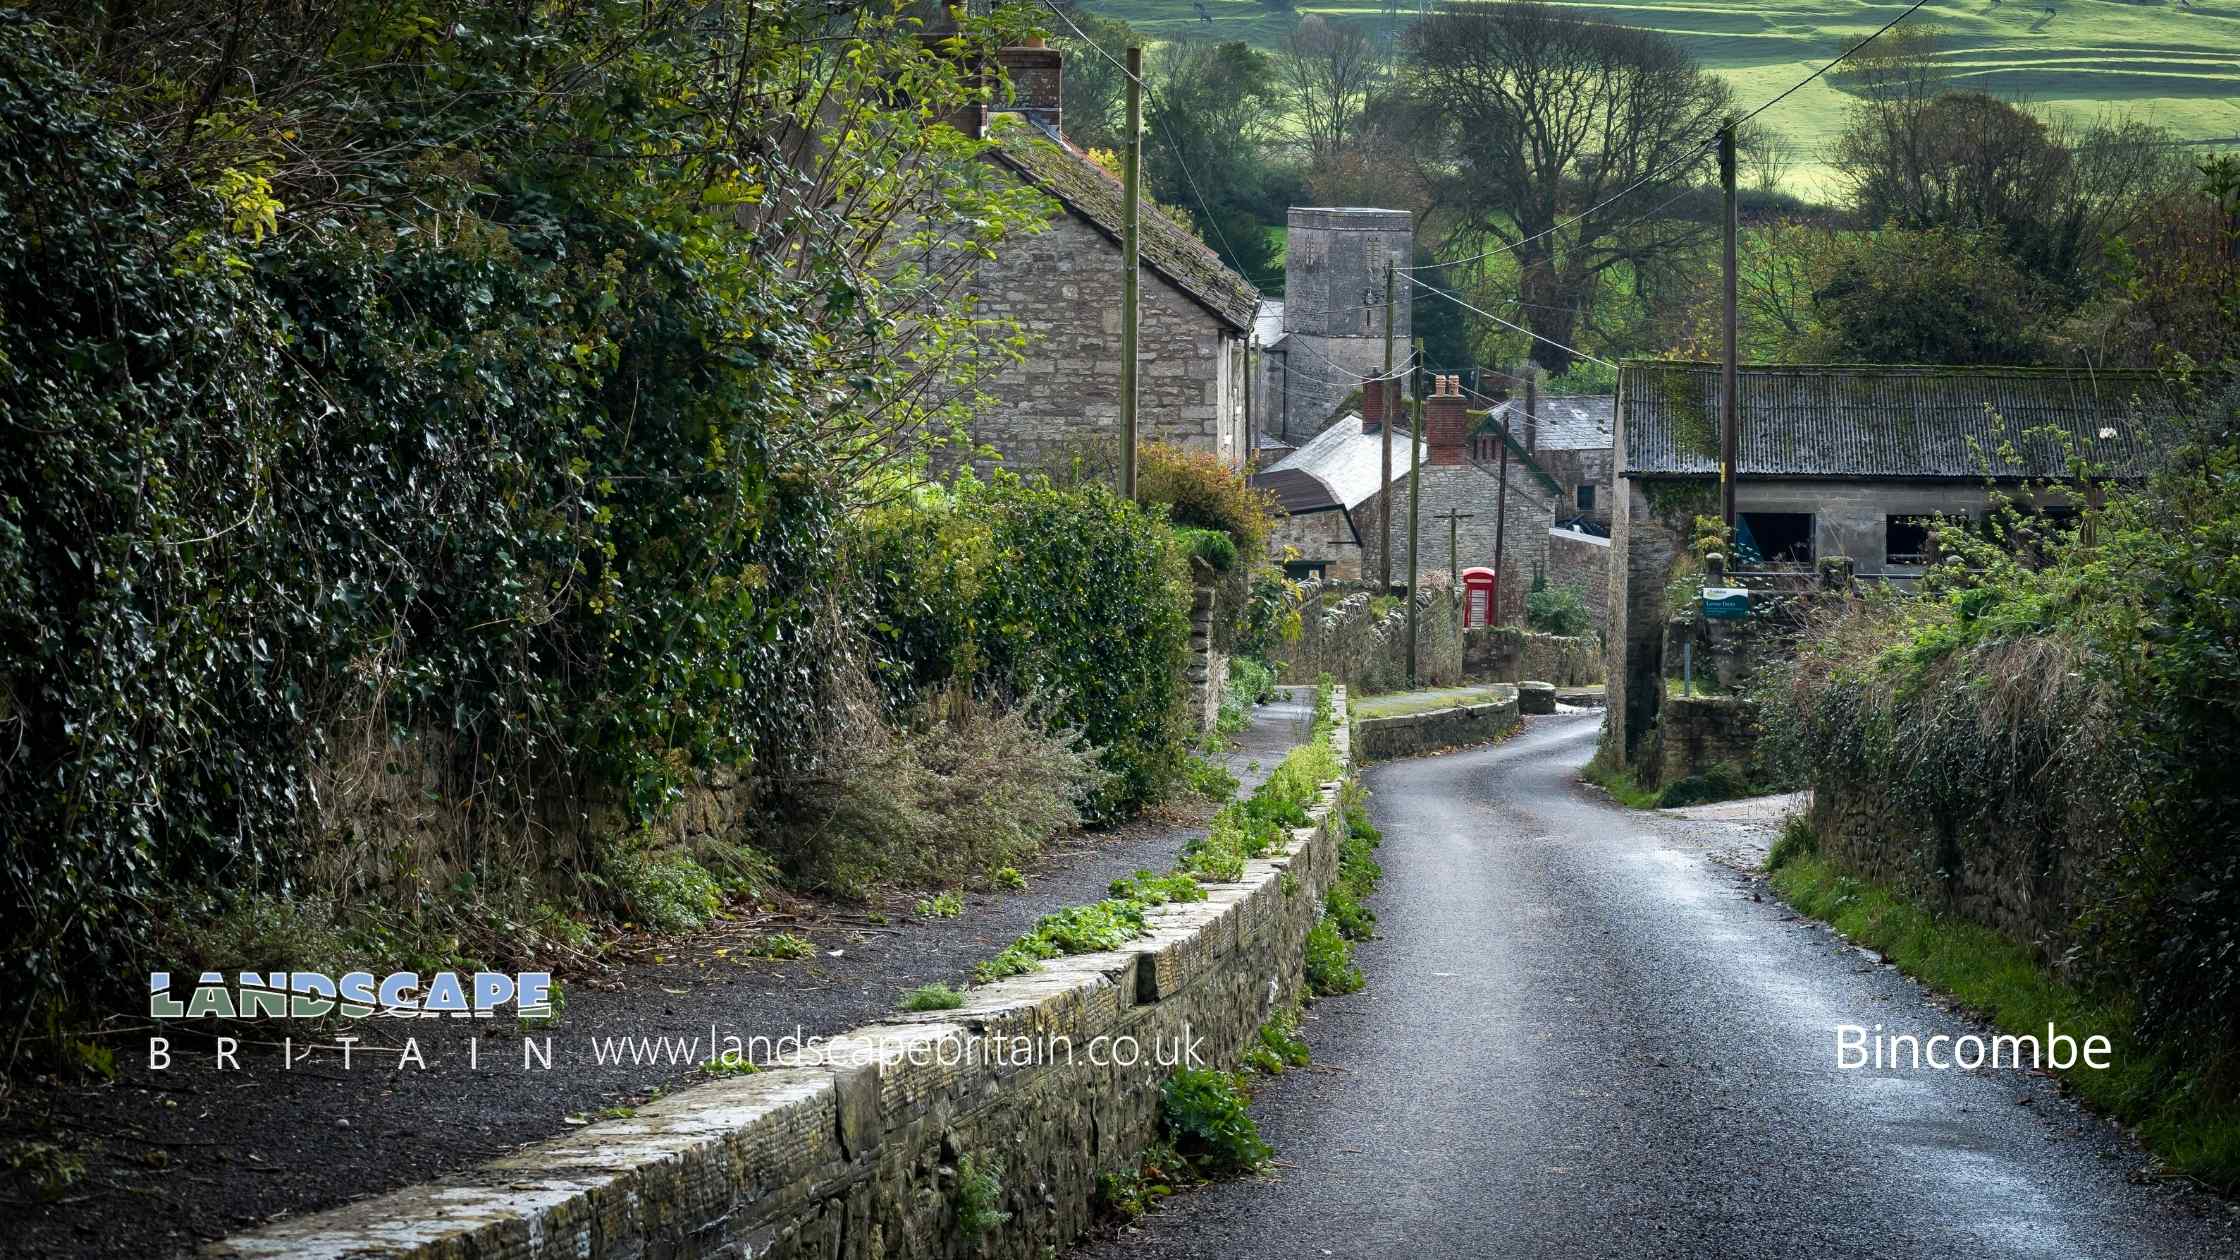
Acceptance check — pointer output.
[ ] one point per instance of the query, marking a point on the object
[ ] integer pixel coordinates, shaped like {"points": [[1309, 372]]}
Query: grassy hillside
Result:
{"points": [[2175, 66]]}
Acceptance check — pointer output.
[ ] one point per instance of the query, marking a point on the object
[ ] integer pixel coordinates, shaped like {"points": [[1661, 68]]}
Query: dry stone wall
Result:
{"points": [[1413, 734], [1508, 654], [849, 1150], [1344, 634]]}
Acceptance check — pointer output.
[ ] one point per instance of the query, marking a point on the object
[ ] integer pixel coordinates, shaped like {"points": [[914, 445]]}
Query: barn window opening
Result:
{"points": [[1773, 538], [1586, 498], [1906, 539]]}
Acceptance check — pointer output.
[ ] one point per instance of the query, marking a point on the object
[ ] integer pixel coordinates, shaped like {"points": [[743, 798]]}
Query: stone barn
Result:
{"points": [[1063, 286]]}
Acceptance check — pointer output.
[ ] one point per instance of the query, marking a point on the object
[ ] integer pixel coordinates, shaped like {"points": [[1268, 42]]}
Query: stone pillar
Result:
{"points": [[1208, 671]]}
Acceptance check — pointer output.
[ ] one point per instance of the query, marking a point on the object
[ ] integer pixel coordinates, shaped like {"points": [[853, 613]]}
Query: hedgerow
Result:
{"points": [[369, 410]]}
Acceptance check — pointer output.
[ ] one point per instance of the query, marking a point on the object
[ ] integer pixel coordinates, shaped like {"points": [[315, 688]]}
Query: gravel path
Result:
{"points": [[176, 1158], [1587, 1036]]}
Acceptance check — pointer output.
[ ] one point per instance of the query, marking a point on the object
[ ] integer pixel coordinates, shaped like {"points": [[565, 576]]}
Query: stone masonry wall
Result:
{"points": [[1583, 561], [1646, 542], [1472, 490], [1413, 734], [1063, 400], [1697, 733], [1508, 654], [849, 1151], [1209, 667], [1342, 635]]}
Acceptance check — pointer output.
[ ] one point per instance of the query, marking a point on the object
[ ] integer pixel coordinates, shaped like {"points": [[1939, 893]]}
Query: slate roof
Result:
{"points": [[1566, 424], [1342, 467], [1083, 187], [1894, 422]]}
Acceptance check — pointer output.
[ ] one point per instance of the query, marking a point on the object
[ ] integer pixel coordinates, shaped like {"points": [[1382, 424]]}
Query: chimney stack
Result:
{"points": [[1446, 422], [1373, 405], [1037, 76]]}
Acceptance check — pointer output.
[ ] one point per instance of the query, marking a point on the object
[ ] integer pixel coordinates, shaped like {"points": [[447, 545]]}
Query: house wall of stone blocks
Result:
{"points": [[1472, 489], [1063, 398], [1582, 561]]}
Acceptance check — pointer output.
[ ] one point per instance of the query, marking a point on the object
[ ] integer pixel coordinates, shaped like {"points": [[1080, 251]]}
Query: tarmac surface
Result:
{"points": [[1590, 1032]]}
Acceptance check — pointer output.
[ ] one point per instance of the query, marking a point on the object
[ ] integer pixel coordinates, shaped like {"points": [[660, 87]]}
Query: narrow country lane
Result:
{"points": [[1582, 1037]]}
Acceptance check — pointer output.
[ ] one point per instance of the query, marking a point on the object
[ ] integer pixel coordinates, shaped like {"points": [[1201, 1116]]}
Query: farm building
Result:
{"points": [[1857, 462]]}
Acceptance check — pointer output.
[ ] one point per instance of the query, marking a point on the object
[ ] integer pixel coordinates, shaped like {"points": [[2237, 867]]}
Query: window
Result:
{"points": [[1773, 538], [1911, 538], [1905, 539], [1586, 498]]}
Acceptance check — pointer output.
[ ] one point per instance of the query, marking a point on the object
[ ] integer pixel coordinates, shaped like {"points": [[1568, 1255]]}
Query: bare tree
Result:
{"points": [[1527, 120], [1328, 70]]}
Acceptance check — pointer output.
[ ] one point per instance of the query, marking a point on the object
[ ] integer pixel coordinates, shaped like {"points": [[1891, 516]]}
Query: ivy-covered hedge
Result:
{"points": [[1069, 596], [456, 404]]}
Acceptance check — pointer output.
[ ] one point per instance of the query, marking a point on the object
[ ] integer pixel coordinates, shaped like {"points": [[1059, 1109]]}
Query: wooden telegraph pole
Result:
{"points": [[1729, 407], [1454, 562], [1384, 487], [1501, 509], [1131, 180], [1415, 500]]}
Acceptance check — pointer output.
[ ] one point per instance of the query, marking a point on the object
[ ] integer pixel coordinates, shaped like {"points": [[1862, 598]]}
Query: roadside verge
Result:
{"points": [[873, 1140]]}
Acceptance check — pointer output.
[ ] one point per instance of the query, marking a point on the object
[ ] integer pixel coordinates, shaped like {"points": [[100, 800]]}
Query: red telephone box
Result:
{"points": [[1479, 588]]}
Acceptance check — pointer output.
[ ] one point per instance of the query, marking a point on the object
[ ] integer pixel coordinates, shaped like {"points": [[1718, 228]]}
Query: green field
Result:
{"points": [[2156, 61]]}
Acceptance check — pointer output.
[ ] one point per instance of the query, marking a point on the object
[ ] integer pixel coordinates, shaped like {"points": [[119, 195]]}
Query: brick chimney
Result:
{"points": [[1373, 405], [1037, 76], [1446, 422]]}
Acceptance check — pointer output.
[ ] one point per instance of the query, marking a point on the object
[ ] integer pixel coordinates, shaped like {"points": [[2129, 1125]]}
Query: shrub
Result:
{"points": [[1209, 547], [1797, 840], [1329, 961], [663, 890], [932, 997], [1156, 890], [980, 791], [979, 1198], [1721, 781], [1206, 1118], [1558, 610], [1202, 492], [1010, 589]]}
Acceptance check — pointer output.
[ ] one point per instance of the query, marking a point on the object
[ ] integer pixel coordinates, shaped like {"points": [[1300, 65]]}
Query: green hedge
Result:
{"points": [[1068, 596]]}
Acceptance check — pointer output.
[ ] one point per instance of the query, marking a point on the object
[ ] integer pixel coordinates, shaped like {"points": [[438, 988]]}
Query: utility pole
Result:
{"points": [[1729, 407], [1384, 487], [1415, 500], [1454, 553], [1131, 180], [1501, 512]]}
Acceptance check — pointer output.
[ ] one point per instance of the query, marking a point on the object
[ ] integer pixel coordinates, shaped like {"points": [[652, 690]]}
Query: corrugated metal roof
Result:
{"points": [[1566, 424], [1341, 467], [1912, 422]]}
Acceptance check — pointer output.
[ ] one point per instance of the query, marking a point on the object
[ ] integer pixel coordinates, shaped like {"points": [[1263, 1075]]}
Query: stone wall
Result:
{"points": [[1334, 264], [1472, 489], [1508, 654], [1413, 734], [1647, 540], [2025, 884], [1697, 733], [1063, 399], [1582, 561], [1343, 635], [849, 1151], [1209, 667]]}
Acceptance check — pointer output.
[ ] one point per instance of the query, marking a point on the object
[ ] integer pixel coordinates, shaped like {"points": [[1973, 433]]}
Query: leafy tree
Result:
{"points": [[1208, 124], [1329, 71], [1944, 295], [1525, 117], [1096, 84]]}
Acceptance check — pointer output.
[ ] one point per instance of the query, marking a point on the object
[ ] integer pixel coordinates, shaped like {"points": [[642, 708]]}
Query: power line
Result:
{"points": [[1696, 152], [1180, 160], [1572, 350]]}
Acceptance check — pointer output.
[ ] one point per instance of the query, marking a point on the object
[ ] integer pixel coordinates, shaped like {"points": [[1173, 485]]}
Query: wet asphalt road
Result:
{"points": [[1583, 1037]]}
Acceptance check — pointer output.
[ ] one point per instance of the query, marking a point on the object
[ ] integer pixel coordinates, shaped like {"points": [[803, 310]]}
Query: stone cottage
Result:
{"points": [[1855, 462], [1063, 287], [1453, 480], [1569, 438]]}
